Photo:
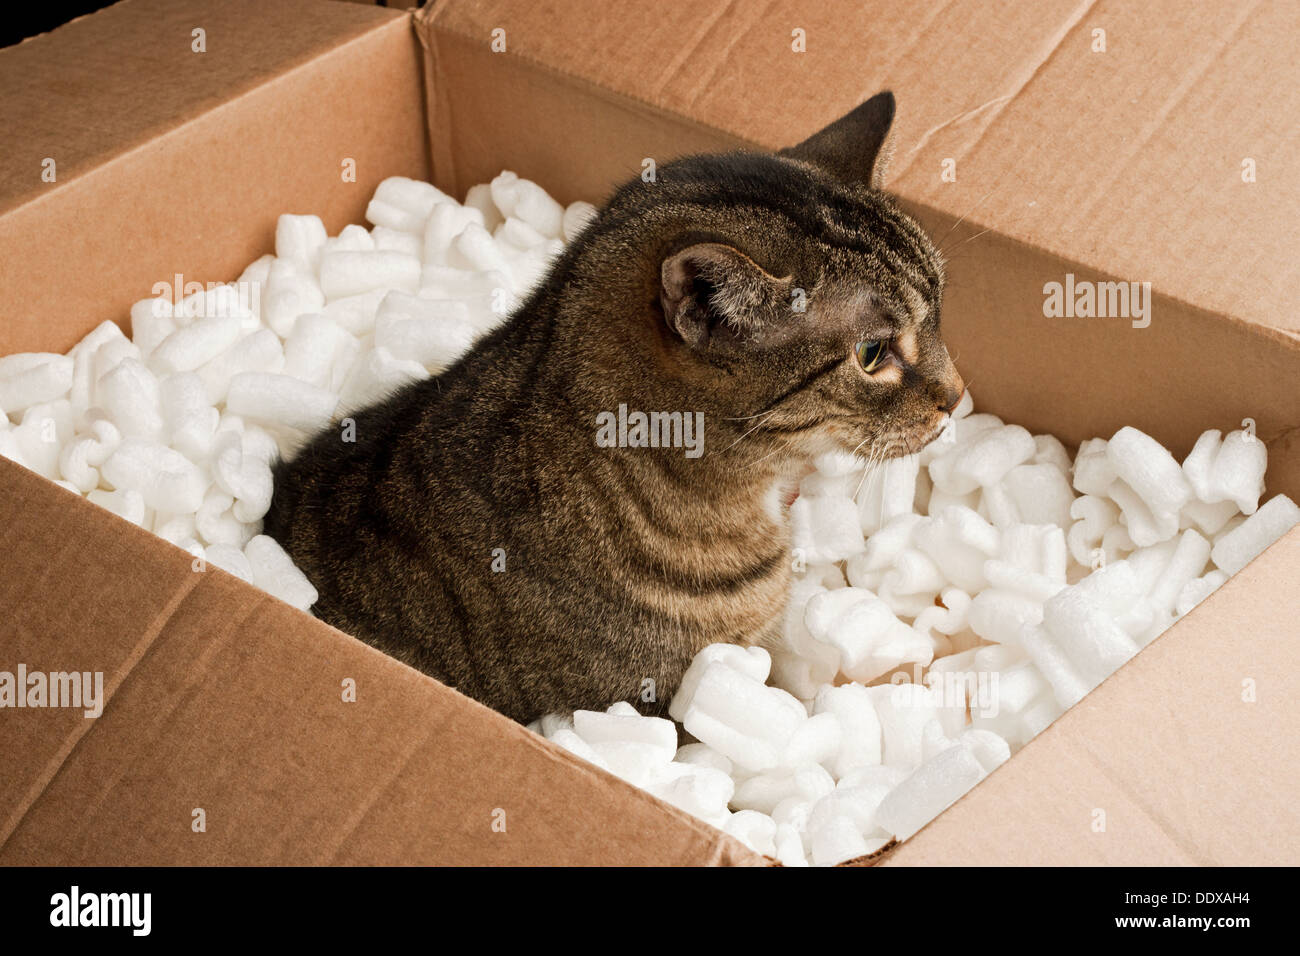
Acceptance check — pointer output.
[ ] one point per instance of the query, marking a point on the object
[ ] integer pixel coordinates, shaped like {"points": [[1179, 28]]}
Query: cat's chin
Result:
{"points": [[892, 446]]}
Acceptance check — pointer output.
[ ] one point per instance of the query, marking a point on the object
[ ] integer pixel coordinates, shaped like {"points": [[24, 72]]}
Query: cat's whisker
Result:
{"points": [[763, 458], [757, 426]]}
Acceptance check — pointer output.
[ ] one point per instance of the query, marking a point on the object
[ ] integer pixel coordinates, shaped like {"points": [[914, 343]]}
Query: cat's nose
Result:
{"points": [[950, 397]]}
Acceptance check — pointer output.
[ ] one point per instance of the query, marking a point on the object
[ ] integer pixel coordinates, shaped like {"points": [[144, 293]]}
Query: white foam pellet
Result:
{"points": [[1194, 592], [230, 559], [764, 791], [577, 216], [394, 240], [190, 418], [860, 738], [404, 204], [753, 662], [570, 741], [936, 785], [23, 384], [166, 479], [1236, 549], [151, 322], [127, 503], [741, 718], [314, 348], [351, 238], [837, 840], [300, 240], [903, 710], [479, 198], [1093, 471], [280, 400], [430, 332], [345, 274], [959, 541], [275, 572], [1089, 636], [260, 351], [756, 830], [290, 292]]}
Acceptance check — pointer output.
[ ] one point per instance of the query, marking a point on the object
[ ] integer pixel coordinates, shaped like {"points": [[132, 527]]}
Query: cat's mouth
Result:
{"points": [[908, 443]]}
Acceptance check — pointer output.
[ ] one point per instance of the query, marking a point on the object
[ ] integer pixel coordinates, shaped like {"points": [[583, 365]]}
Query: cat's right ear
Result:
{"points": [[712, 292], [855, 148]]}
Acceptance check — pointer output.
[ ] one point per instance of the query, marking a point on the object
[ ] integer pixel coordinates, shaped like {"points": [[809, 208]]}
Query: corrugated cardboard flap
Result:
{"points": [[1127, 145], [1185, 756], [224, 700]]}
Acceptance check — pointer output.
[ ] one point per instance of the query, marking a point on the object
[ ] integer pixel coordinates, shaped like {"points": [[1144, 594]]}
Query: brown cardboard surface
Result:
{"points": [[1129, 159], [173, 161], [227, 700], [1168, 762], [223, 698]]}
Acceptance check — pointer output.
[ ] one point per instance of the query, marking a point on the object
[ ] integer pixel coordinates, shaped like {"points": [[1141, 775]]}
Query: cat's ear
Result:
{"points": [[856, 147], [712, 291]]}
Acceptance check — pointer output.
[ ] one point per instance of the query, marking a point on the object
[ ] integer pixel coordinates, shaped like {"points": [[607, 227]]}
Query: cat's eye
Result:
{"points": [[870, 354]]}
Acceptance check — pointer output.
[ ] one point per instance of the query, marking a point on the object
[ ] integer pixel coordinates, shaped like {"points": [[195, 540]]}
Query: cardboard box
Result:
{"points": [[1125, 165]]}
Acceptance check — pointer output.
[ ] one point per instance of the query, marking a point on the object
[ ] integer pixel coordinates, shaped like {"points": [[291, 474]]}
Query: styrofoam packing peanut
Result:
{"points": [[1146, 467], [230, 559], [33, 382], [1144, 526], [930, 790], [517, 236], [701, 791], [355, 314], [275, 572], [1087, 633], [825, 528], [314, 348], [752, 662], [887, 491], [948, 618], [404, 204], [1241, 545], [165, 478], [983, 460], [394, 240], [82, 391], [290, 292], [577, 216], [152, 321], [127, 503], [280, 400], [956, 435], [870, 638], [1227, 468], [1033, 494], [41, 433], [756, 830], [1194, 592], [742, 718], [353, 273], [191, 419], [446, 223], [430, 332], [351, 238], [959, 541], [376, 375]]}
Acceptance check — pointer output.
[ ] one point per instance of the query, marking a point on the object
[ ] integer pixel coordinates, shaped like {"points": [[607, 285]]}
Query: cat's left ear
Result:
{"points": [[713, 293], [856, 147]]}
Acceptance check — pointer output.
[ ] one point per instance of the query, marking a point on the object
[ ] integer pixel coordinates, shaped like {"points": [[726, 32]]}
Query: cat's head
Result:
{"points": [[797, 292]]}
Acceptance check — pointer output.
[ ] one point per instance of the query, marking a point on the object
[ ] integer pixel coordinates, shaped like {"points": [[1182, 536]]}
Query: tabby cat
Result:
{"points": [[501, 526]]}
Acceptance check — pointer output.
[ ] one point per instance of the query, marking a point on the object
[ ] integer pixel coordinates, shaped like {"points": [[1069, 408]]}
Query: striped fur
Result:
{"points": [[621, 563]]}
